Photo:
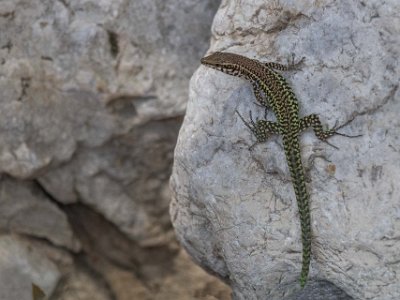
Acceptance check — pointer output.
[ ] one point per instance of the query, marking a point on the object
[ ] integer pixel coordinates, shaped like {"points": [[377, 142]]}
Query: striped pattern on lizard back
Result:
{"points": [[281, 99]]}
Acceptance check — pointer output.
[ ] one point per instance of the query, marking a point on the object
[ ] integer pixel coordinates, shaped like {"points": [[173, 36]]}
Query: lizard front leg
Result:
{"points": [[258, 93], [288, 67], [262, 129]]}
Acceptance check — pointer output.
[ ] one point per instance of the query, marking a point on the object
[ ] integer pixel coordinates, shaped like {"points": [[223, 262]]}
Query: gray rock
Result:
{"points": [[79, 284], [319, 290], [234, 210], [92, 95], [25, 209], [92, 98], [21, 266]]}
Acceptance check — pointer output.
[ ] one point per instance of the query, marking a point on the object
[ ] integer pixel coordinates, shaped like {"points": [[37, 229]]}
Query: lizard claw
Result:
{"points": [[336, 127], [332, 145], [292, 65], [250, 125]]}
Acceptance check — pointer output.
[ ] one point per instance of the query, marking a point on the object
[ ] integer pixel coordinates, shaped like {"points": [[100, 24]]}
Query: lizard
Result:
{"points": [[273, 92]]}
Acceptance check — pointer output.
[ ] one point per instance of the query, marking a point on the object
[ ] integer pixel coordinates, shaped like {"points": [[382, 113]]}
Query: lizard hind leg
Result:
{"points": [[314, 122]]}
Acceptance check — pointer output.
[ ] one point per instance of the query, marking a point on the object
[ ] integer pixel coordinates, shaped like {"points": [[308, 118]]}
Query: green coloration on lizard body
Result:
{"points": [[281, 99]]}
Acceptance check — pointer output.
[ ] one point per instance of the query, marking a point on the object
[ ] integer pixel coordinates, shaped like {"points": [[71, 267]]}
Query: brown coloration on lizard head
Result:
{"points": [[230, 63], [219, 58]]}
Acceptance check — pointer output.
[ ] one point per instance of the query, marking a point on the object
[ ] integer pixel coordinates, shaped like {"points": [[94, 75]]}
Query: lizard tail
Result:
{"points": [[299, 184], [304, 210]]}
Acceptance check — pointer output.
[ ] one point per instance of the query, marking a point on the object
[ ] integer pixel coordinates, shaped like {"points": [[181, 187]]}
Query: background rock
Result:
{"points": [[92, 98], [234, 210], [25, 209], [22, 266]]}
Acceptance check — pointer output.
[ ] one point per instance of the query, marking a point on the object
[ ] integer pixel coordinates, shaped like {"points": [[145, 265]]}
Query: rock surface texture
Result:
{"points": [[234, 210], [22, 266], [92, 95]]}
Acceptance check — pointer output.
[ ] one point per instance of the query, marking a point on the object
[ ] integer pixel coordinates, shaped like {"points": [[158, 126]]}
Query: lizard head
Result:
{"points": [[223, 61]]}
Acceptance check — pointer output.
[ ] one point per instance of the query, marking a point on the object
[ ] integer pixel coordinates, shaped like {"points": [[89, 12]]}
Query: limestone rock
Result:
{"points": [[81, 285], [21, 266], [92, 98], [234, 210], [93, 95], [25, 209]]}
